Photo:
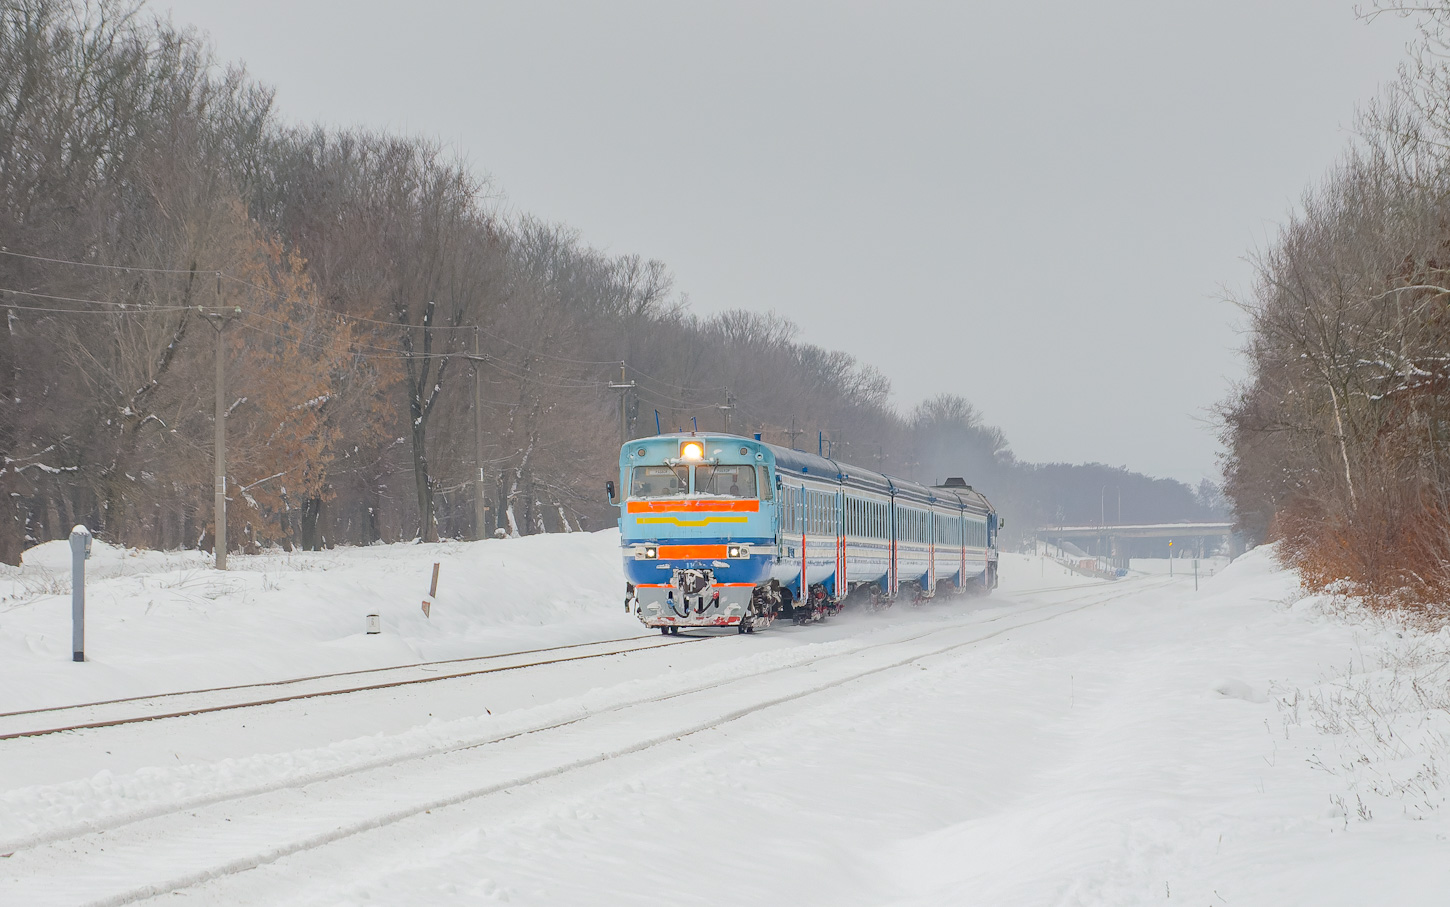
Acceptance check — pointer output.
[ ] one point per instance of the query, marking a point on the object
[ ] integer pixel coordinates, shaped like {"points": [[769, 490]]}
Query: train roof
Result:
{"points": [[801, 463], [971, 498]]}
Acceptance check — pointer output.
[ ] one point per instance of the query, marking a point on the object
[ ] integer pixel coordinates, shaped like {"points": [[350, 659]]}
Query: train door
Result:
{"points": [[840, 583], [892, 539], [805, 528], [930, 552], [791, 538], [962, 538]]}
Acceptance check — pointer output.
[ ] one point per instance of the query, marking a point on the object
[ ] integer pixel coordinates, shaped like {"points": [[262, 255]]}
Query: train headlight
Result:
{"points": [[651, 552], [692, 450], [734, 551]]}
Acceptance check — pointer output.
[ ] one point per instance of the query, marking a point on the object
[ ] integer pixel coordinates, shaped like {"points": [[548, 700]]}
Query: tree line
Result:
{"points": [[1337, 440], [402, 360]]}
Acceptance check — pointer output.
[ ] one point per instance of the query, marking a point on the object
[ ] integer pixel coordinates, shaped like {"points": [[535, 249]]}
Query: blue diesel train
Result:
{"points": [[720, 530]]}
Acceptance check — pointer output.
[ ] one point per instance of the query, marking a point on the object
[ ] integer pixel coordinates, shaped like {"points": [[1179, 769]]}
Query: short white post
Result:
{"points": [[80, 549]]}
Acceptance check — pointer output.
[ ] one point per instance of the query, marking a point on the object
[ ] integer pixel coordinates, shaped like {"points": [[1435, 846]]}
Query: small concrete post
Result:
{"points": [[80, 549]]}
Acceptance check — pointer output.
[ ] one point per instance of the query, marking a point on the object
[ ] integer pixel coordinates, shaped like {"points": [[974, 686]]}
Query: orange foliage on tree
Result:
{"points": [[291, 363]]}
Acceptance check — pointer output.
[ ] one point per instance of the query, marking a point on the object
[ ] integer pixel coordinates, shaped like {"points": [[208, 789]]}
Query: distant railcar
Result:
{"points": [[720, 530]]}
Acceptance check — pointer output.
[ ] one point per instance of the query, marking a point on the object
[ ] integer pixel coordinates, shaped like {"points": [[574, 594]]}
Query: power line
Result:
{"points": [[379, 352], [109, 313], [670, 384], [345, 316], [683, 403], [131, 308], [93, 264], [354, 318], [354, 347], [539, 380], [655, 392], [543, 379], [363, 319], [109, 302]]}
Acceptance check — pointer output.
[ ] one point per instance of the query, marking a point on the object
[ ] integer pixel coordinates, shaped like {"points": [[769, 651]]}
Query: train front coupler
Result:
{"points": [[693, 598]]}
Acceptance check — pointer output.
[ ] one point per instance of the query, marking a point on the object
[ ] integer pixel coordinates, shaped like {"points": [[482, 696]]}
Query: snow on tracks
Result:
{"points": [[202, 822], [115, 712]]}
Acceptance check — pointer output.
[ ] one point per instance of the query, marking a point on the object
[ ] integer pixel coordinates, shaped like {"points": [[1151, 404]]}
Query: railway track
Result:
{"points": [[232, 831], [184, 703]]}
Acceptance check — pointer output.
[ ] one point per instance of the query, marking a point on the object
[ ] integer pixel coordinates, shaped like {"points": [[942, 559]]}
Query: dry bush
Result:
{"points": [[1392, 550]]}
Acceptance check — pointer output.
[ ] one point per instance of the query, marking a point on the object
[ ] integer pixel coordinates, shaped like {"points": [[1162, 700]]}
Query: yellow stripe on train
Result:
{"points": [[704, 521]]}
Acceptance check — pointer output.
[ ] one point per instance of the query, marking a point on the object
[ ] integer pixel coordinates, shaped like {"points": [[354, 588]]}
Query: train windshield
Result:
{"points": [[659, 481], [726, 481]]}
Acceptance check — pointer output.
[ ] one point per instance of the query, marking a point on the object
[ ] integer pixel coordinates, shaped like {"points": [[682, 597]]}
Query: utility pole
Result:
{"points": [[793, 433], [219, 319], [726, 408], [624, 387], [479, 504]]}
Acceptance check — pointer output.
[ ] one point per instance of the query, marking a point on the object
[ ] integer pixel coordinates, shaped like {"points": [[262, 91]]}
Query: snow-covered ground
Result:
{"points": [[1180, 566], [1065, 741], [166, 620]]}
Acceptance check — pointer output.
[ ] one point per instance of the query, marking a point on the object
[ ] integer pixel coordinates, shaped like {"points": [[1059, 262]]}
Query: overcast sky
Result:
{"points": [[1038, 205]]}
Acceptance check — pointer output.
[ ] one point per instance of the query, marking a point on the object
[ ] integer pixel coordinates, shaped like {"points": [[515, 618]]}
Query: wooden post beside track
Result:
{"points": [[432, 592]]}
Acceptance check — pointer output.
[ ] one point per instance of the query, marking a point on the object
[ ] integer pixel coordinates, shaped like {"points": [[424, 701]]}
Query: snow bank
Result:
{"points": [[158, 621]]}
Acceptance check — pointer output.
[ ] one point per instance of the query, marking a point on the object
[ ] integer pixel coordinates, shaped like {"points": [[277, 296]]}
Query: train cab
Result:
{"points": [[698, 527]]}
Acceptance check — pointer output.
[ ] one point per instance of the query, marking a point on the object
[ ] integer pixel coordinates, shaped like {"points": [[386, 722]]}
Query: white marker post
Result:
{"points": [[80, 549]]}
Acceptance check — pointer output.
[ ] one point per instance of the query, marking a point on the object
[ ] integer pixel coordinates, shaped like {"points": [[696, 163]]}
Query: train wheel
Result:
{"points": [[664, 631]]}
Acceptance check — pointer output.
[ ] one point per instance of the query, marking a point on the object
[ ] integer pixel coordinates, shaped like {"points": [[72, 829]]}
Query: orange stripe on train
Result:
{"points": [[692, 551], [693, 506]]}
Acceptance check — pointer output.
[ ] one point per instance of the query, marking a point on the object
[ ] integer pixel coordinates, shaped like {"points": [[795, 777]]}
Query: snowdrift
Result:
{"points": [[158, 621]]}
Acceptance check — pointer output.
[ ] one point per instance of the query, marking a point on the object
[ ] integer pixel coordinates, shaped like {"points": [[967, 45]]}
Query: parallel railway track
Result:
{"points": [[489, 764], [40, 722], [133, 709]]}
